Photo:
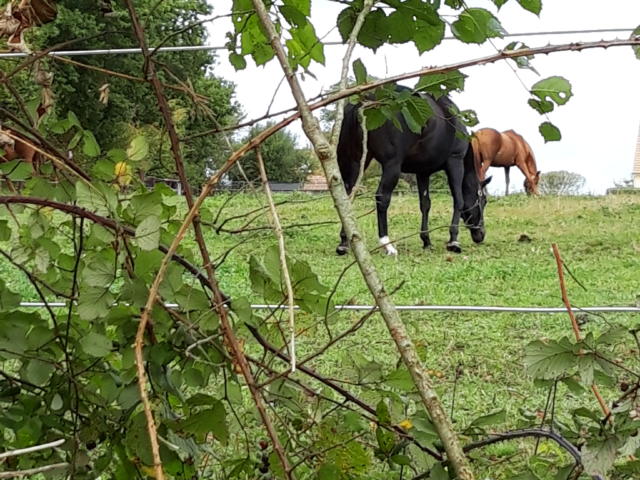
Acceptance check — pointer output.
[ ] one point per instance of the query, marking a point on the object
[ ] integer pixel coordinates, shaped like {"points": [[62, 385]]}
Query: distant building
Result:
{"points": [[636, 164], [315, 183]]}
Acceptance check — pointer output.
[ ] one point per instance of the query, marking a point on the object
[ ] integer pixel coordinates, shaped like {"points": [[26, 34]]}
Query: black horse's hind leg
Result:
{"points": [[455, 172], [425, 206], [388, 181], [506, 179], [349, 174]]}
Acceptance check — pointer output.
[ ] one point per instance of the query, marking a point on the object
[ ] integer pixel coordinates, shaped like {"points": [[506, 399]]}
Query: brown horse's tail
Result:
{"points": [[474, 145]]}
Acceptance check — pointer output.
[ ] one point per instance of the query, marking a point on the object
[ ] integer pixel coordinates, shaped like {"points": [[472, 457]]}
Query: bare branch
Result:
{"points": [[396, 328], [35, 448], [277, 230], [33, 471], [574, 323]]}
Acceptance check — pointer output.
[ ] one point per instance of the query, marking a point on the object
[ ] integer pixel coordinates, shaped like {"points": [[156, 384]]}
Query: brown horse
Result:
{"points": [[13, 146], [494, 149]]}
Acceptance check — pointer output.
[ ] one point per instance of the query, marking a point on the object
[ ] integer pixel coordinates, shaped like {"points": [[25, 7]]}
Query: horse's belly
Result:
{"points": [[421, 166]]}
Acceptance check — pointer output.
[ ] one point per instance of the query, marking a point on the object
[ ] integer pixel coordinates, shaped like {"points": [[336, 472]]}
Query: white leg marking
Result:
{"points": [[388, 246]]}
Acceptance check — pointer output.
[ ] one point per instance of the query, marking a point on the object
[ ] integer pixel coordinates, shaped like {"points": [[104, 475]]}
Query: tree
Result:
{"points": [[284, 161], [561, 183], [115, 108]]}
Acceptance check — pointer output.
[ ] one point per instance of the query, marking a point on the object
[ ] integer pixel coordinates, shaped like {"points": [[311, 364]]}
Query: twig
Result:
{"points": [[574, 322], [530, 432], [35, 448], [33, 471], [337, 388], [277, 230]]}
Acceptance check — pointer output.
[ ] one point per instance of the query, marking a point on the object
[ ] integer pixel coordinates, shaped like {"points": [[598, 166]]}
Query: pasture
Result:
{"points": [[475, 358]]}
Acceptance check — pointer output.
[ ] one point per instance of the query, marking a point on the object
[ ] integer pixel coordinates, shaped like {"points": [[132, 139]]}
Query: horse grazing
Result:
{"points": [[13, 146], [494, 149], [442, 145]]}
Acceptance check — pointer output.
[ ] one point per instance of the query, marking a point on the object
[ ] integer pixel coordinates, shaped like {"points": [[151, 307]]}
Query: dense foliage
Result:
{"points": [[561, 183], [212, 386], [116, 109]]}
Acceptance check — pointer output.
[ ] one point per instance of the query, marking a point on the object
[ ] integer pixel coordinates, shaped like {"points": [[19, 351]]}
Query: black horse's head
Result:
{"points": [[475, 199]]}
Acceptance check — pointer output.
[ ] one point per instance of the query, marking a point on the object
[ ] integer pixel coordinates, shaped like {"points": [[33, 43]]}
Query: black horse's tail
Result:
{"points": [[350, 147]]}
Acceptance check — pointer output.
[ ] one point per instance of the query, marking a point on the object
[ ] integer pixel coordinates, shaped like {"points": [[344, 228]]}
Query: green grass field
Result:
{"points": [[599, 238]]}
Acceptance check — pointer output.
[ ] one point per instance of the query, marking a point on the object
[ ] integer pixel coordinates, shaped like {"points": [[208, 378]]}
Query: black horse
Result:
{"points": [[442, 145]]}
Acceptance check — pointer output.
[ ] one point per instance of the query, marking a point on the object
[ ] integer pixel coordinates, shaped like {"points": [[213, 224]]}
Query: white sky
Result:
{"points": [[599, 124]]}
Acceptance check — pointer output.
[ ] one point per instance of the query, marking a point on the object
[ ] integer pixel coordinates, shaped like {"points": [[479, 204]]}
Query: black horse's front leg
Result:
{"points": [[425, 206], [388, 181], [343, 247], [454, 176]]}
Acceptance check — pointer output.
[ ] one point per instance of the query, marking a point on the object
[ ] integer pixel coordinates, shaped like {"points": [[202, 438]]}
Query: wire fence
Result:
{"points": [[198, 48], [409, 308]]}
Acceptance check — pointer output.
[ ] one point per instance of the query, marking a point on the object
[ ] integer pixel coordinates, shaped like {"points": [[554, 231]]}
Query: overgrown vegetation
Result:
{"points": [[155, 365]]}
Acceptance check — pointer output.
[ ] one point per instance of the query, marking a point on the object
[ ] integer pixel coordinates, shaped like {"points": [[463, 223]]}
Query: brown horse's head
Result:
{"points": [[531, 187]]}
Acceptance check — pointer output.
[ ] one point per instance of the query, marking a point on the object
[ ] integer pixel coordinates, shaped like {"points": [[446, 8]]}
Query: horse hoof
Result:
{"points": [[454, 247], [342, 250]]}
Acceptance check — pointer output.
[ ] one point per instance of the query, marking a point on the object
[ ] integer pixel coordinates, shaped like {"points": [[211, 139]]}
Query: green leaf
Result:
{"points": [[542, 106], [438, 473], [534, 6], [294, 16], [375, 30], [96, 345], [56, 402], [564, 472], [304, 6], [386, 440], [401, 459], [428, 36], [212, 420], [494, 418], [598, 457], [5, 231], [469, 118], [573, 385], [636, 48], [98, 270], [17, 170], [9, 300], [555, 88], [94, 303], [360, 71], [38, 372], [90, 145], [551, 359], [346, 21], [328, 471], [438, 84], [550, 132], [401, 380], [96, 199], [237, 60], [138, 149], [148, 233], [476, 25], [374, 118], [402, 26], [382, 413]]}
